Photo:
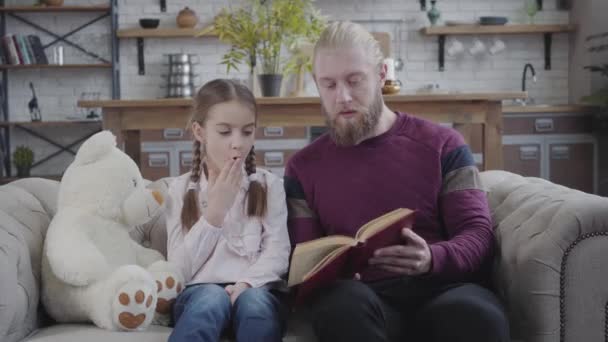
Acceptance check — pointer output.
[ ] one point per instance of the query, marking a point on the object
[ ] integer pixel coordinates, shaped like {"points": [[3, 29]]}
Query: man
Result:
{"points": [[372, 161]]}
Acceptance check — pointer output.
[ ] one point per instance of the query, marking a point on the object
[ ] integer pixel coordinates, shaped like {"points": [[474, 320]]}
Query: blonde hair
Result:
{"points": [[210, 94], [346, 34]]}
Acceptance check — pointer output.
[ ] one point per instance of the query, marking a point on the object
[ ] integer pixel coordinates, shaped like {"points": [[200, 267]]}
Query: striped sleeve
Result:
{"points": [[465, 214], [302, 222]]}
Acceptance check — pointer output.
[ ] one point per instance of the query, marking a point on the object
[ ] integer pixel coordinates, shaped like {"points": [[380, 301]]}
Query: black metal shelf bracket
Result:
{"points": [[423, 5], [548, 43], [441, 57], [141, 65], [62, 148], [115, 52], [539, 4], [163, 5], [5, 140]]}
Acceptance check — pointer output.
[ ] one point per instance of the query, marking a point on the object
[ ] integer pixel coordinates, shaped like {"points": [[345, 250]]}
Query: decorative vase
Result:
{"points": [[186, 18], [23, 171], [433, 14], [270, 84], [54, 3], [391, 87]]}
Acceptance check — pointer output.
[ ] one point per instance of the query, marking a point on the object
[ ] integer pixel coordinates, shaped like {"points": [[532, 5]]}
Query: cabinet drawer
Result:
{"points": [[185, 162], [155, 165], [571, 165], [524, 159], [167, 134], [277, 132], [273, 159], [547, 125]]}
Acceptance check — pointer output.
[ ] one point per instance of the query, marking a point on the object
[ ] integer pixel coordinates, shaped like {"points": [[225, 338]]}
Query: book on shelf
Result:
{"points": [[37, 49], [22, 50], [317, 263], [11, 49]]}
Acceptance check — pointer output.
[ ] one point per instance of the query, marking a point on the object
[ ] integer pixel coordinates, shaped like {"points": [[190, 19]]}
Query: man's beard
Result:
{"points": [[350, 132]]}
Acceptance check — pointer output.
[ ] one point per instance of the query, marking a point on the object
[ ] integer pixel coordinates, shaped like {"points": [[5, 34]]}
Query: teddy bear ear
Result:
{"points": [[95, 147]]}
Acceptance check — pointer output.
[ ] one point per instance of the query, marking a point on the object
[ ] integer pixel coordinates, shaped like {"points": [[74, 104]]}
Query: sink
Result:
{"points": [[525, 102]]}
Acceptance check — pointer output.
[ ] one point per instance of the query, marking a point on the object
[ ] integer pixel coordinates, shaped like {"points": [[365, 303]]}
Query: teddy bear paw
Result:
{"points": [[167, 289], [133, 306]]}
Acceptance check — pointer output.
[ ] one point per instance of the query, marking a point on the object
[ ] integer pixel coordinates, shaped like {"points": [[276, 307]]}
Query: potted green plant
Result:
{"points": [[23, 158], [259, 31], [599, 98], [301, 49]]}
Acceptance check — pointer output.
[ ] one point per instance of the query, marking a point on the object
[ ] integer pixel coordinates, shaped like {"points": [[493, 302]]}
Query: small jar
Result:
{"points": [[186, 18]]}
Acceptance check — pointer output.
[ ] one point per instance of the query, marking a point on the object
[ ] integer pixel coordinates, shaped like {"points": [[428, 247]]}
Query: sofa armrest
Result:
{"points": [[552, 265], [26, 209]]}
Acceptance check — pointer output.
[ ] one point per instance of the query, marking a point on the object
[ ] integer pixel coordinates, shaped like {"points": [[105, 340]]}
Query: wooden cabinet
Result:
{"points": [[155, 165], [168, 152], [572, 164], [556, 147], [523, 159]]}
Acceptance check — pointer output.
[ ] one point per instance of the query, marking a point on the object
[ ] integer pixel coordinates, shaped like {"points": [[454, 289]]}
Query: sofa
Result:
{"points": [[551, 269]]}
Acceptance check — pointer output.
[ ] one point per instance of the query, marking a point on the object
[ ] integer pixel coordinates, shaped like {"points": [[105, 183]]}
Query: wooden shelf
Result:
{"points": [[495, 29], [54, 123], [161, 33], [92, 8], [546, 30], [55, 66], [171, 32]]}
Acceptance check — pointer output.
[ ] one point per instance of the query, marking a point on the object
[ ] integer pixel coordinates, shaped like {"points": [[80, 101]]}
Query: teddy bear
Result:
{"points": [[92, 271]]}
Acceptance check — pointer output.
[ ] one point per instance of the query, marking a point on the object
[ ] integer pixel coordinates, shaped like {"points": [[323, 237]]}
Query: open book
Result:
{"points": [[319, 262]]}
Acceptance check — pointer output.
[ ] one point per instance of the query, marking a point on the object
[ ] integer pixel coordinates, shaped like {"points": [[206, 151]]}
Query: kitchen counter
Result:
{"points": [[125, 118], [187, 102], [565, 108]]}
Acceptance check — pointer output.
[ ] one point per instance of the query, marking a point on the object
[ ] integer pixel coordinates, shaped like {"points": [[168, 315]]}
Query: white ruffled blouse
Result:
{"points": [[244, 249]]}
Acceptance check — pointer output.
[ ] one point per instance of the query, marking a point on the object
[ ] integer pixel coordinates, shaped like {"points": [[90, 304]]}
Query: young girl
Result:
{"points": [[227, 226]]}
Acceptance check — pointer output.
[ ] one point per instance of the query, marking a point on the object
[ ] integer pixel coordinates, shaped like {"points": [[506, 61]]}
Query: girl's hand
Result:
{"points": [[234, 291], [222, 190]]}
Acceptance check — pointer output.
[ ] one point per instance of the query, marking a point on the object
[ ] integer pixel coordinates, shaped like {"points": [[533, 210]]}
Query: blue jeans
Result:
{"points": [[202, 312]]}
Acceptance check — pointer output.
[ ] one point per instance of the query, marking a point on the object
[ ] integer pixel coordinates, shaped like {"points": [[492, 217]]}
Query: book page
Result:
{"points": [[308, 254], [372, 227], [331, 256]]}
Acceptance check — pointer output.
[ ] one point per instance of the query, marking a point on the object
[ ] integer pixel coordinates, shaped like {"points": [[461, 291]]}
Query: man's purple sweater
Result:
{"points": [[416, 164]]}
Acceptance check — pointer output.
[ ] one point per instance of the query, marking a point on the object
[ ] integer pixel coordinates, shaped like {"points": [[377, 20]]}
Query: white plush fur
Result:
{"points": [[89, 261]]}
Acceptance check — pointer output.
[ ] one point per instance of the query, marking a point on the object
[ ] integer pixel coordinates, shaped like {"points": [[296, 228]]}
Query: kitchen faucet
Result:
{"points": [[523, 80]]}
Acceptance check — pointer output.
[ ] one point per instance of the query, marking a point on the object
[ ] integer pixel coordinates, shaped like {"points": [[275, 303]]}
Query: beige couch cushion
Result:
{"points": [[25, 212], [297, 331], [91, 333]]}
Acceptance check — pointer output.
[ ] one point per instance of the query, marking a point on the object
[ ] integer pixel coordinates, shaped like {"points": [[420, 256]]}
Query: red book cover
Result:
{"points": [[347, 260]]}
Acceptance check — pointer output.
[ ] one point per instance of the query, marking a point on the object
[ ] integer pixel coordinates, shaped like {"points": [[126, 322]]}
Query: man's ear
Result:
{"points": [[382, 73], [198, 131]]}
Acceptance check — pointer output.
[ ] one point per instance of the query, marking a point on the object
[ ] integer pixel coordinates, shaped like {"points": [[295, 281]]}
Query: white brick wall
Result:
{"points": [[58, 90]]}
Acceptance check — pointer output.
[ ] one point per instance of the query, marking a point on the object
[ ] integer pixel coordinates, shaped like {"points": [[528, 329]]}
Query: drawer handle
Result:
{"points": [[186, 160], [543, 125], [560, 152], [173, 133], [273, 131], [528, 153], [158, 160], [273, 158]]}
